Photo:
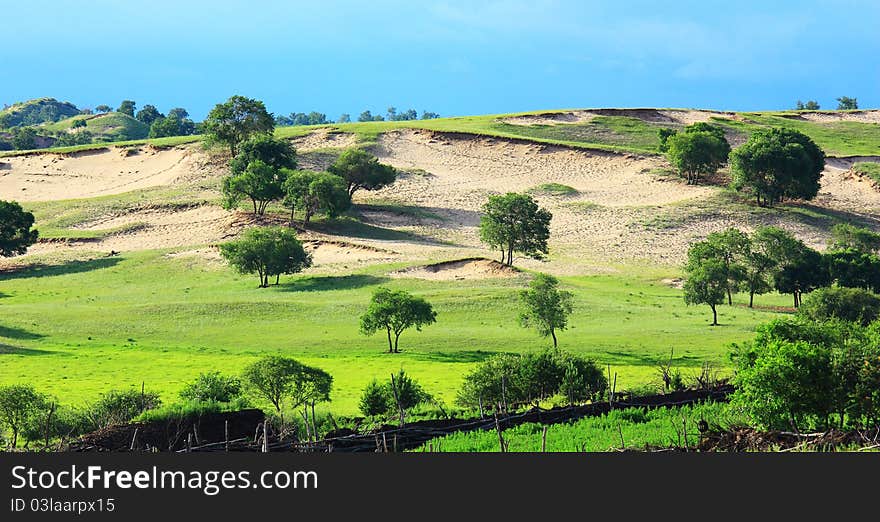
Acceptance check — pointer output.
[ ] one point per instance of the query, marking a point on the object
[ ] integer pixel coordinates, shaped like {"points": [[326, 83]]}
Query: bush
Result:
{"points": [[374, 401], [400, 394], [847, 304], [118, 407], [212, 387]]}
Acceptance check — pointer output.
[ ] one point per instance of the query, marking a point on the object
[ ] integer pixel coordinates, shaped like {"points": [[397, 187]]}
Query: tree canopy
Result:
{"points": [[315, 193], [148, 114], [259, 182], [545, 307], [514, 223], [237, 119], [845, 103], [706, 283], [362, 170], [700, 150], [127, 107], [16, 234], [267, 251], [394, 312]]}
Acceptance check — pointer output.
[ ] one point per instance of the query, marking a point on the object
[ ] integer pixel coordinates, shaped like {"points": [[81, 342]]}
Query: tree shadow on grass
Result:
{"points": [[72, 267], [460, 356], [18, 333], [323, 283], [652, 359], [8, 349], [825, 218], [349, 227]]}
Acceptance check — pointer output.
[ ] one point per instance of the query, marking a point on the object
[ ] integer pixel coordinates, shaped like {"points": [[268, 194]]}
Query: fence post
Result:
{"points": [[544, 440], [226, 434], [134, 439], [265, 437], [501, 442]]}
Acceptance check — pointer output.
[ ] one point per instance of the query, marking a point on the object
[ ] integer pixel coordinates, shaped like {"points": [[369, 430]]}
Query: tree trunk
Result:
{"points": [[714, 316], [254, 202], [729, 297], [277, 279], [390, 346], [510, 254], [751, 298], [502, 255], [396, 338], [290, 225], [553, 334], [314, 422]]}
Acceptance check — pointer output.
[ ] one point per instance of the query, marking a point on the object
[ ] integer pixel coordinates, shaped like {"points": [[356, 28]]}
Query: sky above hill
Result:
{"points": [[452, 57]]}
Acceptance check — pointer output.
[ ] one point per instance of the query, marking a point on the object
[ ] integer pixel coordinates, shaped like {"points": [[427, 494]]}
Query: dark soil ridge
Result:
{"points": [[750, 439]]}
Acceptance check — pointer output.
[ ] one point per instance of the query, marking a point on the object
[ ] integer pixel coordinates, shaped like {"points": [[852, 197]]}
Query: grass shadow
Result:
{"points": [[324, 283], [460, 356], [45, 270], [18, 333], [653, 359], [825, 218], [8, 349]]}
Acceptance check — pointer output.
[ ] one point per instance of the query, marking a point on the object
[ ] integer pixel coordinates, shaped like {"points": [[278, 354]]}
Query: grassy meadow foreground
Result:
{"points": [[126, 286]]}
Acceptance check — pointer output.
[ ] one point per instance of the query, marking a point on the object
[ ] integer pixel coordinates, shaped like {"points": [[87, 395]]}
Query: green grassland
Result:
{"points": [[109, 127], [621, 429], [872, 170], [80, 328]]}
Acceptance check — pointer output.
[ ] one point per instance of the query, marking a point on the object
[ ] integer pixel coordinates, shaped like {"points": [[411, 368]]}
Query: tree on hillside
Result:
{"points": [[771, 248], [803, 273], [149, 114], [730, 247], [847, 236], [706, 283], [362, 170], [178, 112], [16, 232], [172, 125], [310, 387], [315, 193], [272, 378], [261, 183], [514, 223], [368, 116], [267, 252], [427, 115], [103, 108], [811, 105], [394, 312], [778, 163], [275, 152], [24, 138], [545, 307], [237, 119], [78, 124], [18, 403], [845, 103], [127, 107], [344, 118], [699, 150]]}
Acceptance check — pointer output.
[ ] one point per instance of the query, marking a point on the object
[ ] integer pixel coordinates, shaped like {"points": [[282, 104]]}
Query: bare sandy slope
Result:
{"points": [[668, 116], [112, 170], [870, 116], [624, 207]]}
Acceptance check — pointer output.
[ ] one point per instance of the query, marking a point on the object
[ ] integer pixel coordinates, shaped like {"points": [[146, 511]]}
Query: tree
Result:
{"points": [[374, 400], [24, 138], [314, 193], [803, 273], [368, 116], [406, 393], [811, 105], [582, 379], [730, 247], [18, 403], [236, 120], [848, 304], [362, 170], [310, 386], [853, 269], [69, 139], [274, 152], [515, 223], [78, 124], [119, 407], [546, 308], [696, 154], [344, 118], [771, 248], [149, 114], [178, 112], [103, 108], [427, 115], [706, 284], [664, 134], [266, 251], [845, 103], [16, 234], [212, 386], [273, 378], [259, 182], [778, 163], [846, 236], [394, 312], [171, 126], [127, 107]]}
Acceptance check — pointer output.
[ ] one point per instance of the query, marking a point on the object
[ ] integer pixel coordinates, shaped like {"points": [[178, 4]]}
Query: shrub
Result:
{"points": [[212, 387], [118, 407], [848, 304], [374, 401]]}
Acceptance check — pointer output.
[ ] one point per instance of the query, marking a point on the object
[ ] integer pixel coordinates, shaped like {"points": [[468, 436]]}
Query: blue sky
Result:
{"points": [[450, 57]]}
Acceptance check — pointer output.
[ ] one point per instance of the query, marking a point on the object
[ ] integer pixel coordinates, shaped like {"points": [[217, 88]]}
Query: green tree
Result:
{"points": [[730, 247], [178, 112], [237, 119], [374, 401], [582, 380], [148, 114], [212, 386], [24, 138], [778, 163], [16, 234], [18, 403], [259, 182], [545, 307], [273, 378], [310, 387], [406, 393], [698, 151], [103, 108], [277, 153], [771, 248], [119, 407], [845, 103], [847, 304], [515, 223], [394, 312], [127, 107], [344, 118], [804, 272], [706, 283], [78, 124], [267, 251], [171, 125], [362, 170], [314, 193], [853, 269], [847, 236], [811, 105]]}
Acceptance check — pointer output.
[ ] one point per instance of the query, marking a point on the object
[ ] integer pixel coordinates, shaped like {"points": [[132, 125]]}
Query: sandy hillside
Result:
{"points": [[667, 116], [623, 207]]}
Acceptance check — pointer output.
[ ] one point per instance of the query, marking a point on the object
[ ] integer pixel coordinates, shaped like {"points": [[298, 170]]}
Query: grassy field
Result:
{"points": [[872, 170], [629, 428], [84, 327], [610, 133], [110, 127]]}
